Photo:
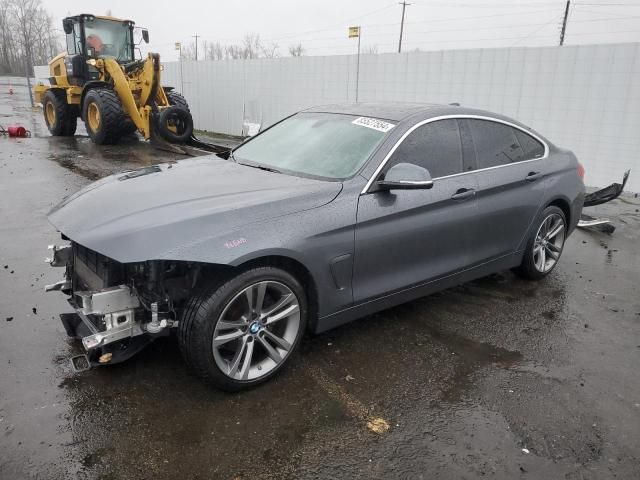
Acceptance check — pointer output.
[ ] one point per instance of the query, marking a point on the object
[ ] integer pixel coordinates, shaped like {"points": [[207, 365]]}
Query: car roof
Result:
{"points": [[400, 111], [395, 111]]}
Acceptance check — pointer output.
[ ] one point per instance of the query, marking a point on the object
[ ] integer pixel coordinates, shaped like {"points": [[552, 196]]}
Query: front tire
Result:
{"points": [[545, 245], [243, 332], [60, 117], [103, 116]]}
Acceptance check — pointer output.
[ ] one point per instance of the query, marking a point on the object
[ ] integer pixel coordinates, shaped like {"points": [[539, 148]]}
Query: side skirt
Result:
{"points": [[397, 298]]}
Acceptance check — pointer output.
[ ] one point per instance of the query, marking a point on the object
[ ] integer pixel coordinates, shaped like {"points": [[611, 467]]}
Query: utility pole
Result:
{"points": [[196, 37], [564, 22], [404, 5]]}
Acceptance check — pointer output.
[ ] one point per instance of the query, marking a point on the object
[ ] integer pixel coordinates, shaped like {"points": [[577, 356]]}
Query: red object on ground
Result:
{"points": [[17, 131]]}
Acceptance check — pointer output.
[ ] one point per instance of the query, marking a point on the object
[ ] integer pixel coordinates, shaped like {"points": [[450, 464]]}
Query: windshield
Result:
{"points": [[326, 145], [108, 38]]}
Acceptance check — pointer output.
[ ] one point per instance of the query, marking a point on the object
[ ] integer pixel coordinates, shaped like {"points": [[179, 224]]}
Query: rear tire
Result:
{"points": [[103, 116], [177, 99], [545, 244], [60, 117], [220, 331], [128, 128]]}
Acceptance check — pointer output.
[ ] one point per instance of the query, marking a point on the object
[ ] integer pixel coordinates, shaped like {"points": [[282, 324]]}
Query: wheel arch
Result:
{"points": [[218, 272], [564, 205], [300, 271], [558, 201]]}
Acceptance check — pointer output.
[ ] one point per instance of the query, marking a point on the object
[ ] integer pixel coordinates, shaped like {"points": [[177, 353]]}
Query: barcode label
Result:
{"points": [[373, 123]]}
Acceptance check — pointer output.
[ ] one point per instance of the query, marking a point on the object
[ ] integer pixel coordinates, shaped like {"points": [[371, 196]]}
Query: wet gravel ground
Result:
{"points": [[499, 378]]}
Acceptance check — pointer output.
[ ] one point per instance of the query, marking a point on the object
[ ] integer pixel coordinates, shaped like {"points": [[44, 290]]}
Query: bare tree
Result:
{"points": [[252, 45], [270, 51], [213, 51], [26, 35], [7, 43], [234, 52], [296, 50], [189, 51]]}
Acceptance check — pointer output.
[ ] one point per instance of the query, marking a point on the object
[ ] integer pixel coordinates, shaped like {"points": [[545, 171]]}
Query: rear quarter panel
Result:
{"points": [[562, 184]]}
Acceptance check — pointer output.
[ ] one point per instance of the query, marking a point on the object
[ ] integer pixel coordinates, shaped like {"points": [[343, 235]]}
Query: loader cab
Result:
{"points": [[93, 37]]}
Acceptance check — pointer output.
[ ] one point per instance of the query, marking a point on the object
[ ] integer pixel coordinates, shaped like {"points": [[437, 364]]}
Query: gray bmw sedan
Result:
{"points": [[331, 214]]}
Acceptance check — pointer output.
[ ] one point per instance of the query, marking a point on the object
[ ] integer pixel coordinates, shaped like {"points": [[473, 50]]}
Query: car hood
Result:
{"points": [[152, 212]]}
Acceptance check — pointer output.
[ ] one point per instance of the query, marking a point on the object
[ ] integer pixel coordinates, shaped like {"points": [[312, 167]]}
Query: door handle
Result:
{"points": [[533, 176], [464, 194]]}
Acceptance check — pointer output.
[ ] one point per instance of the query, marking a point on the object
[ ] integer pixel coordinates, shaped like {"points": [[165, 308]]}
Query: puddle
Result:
{"points": [[470, 357]]}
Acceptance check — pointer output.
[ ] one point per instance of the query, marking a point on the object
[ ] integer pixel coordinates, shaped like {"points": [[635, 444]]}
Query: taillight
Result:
{"points": [[580, 171]]}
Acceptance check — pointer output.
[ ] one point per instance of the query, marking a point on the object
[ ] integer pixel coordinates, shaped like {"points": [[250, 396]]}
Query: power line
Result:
{"points": [[509, 4], [333, 26], [530, 34], [474, 40], [492, 27], [610, 4]]}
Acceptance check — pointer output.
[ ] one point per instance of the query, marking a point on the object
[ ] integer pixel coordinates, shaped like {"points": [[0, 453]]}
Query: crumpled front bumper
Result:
{"points": [[107, 321]]}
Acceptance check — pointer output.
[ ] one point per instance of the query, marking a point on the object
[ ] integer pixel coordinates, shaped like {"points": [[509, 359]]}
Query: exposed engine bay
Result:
{"points": [[120, 308]]}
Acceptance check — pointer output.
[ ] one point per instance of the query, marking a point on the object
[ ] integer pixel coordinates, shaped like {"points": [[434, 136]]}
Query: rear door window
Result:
{"points": [[495, 143], [435, 146]]}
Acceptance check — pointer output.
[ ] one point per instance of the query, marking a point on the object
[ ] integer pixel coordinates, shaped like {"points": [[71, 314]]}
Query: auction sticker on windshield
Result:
{"points": [[373, 123]]}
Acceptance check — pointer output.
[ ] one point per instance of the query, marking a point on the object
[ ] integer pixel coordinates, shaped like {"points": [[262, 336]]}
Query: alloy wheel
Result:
{"points": [[548, 242], [256, 330]]}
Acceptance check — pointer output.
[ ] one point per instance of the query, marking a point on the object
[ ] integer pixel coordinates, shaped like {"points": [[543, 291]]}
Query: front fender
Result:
{"points": [[321, 239]]}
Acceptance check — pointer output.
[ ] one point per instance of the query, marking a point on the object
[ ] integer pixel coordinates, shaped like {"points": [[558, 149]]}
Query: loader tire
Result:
{"points": [[128, 127], [175, 124], [60, 117], [178, 135], [177, 99], [103, 116]]}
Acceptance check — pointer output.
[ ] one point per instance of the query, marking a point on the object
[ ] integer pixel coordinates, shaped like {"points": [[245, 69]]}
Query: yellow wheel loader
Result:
{"points": [[99, 80]]}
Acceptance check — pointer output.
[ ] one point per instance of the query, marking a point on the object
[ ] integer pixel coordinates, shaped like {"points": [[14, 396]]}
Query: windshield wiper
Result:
{"points": [[261, 167]]}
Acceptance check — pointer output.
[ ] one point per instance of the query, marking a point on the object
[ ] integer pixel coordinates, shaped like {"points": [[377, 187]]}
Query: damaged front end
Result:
{"points": [[119, 308]]}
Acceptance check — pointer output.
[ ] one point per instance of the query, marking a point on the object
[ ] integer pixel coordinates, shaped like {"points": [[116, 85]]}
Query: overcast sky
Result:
{"points": [[321, 26]]}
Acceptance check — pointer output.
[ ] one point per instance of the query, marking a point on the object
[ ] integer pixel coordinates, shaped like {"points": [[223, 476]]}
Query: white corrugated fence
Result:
{"points": [[586, 98]]}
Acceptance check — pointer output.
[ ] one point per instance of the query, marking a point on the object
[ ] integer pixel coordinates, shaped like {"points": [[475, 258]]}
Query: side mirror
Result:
{"points": [[67, 26], [406, 176], [145, 35]]}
